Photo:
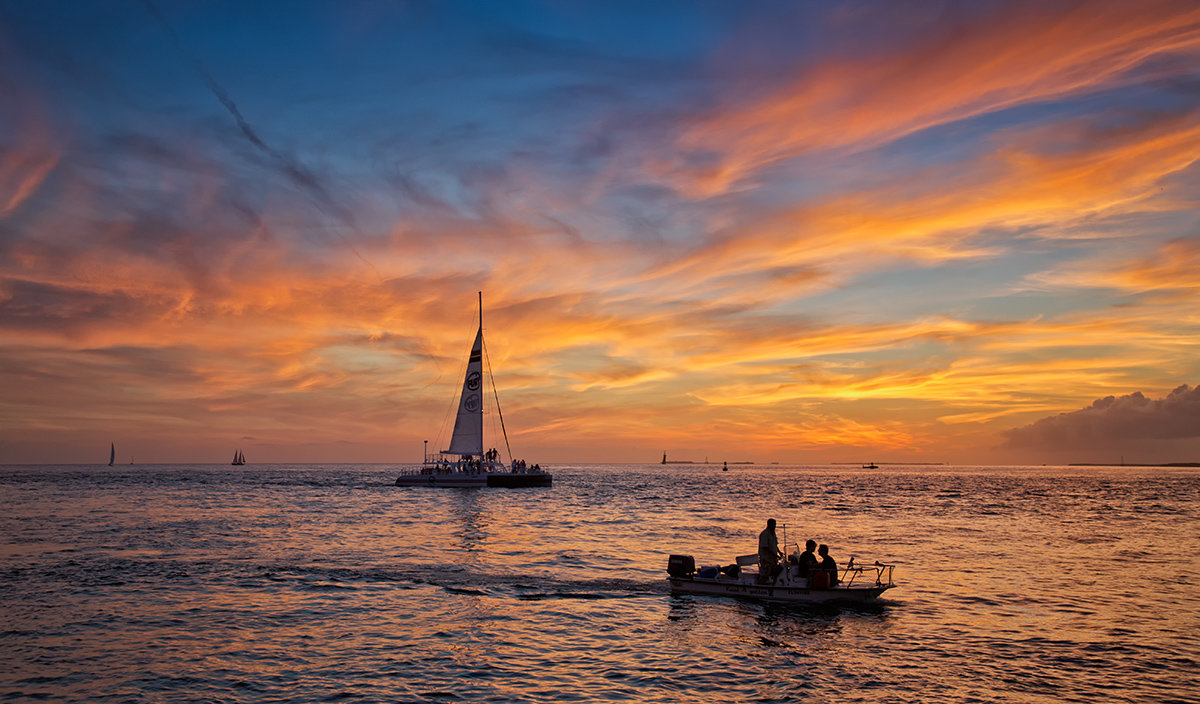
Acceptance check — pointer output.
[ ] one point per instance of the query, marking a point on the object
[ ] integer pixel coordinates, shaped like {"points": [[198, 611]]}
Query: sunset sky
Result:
{"points": [[748, 231]]}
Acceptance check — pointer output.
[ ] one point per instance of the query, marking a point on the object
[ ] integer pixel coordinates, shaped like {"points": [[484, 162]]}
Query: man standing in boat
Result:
{"points": [[768, 552]]}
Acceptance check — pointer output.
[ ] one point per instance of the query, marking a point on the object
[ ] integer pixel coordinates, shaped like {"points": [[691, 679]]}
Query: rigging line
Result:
{"points": [[492, 376], [452, 408]]}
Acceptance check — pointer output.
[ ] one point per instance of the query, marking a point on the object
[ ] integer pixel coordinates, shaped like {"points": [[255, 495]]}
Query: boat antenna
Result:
{"points": [[492, 374]]}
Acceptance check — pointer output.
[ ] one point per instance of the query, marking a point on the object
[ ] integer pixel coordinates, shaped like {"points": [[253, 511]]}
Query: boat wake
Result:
{"points": [[468, 582]]}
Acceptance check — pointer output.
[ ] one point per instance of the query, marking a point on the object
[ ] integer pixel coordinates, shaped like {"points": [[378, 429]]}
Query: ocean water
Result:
{"points": [[306, 583]]}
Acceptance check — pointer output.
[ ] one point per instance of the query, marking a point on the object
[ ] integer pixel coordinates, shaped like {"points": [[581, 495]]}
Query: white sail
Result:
{"points": [[468, 426]]}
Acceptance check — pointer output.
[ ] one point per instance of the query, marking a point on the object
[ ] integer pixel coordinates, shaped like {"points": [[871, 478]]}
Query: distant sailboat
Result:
{"points": [[112, 453], [238, 458]]}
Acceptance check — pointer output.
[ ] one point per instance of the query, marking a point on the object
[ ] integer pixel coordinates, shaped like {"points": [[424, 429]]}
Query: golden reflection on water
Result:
{"points": [[300, 583]]}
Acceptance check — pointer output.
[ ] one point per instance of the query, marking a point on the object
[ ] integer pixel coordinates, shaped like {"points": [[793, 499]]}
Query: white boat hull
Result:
{"points": [[775, 593], [854, 583]]}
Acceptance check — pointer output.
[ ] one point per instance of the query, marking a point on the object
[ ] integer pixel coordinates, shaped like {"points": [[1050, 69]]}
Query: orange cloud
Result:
{"points": [[28, 155], [1023, 54], [939, 215], [1172, 272]]}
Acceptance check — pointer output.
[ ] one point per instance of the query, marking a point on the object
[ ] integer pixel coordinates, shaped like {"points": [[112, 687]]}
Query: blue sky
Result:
{"points": [[795, 231]]}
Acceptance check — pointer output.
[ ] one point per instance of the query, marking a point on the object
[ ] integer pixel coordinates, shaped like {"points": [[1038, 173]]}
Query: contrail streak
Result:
{"points": [[295, 171]]}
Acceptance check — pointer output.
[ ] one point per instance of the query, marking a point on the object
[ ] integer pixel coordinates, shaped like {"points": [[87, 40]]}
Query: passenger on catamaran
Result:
{"points": [[768, 553]]}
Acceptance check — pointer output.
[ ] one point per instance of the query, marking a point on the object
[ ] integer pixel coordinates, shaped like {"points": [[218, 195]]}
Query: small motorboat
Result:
{"points": [[854, 583]]}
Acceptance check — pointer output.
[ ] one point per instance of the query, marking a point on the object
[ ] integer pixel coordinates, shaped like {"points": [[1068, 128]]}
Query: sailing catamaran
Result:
{"points": [[238, 458], [466, 463]]}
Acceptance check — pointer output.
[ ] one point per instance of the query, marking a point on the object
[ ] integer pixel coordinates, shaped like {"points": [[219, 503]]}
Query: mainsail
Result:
{"points": [[112, 453], [468, 426]]}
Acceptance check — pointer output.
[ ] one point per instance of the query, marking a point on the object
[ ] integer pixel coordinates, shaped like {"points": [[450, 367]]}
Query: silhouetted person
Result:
{"points": [[768, 552], [808, 560], [828, 565]]}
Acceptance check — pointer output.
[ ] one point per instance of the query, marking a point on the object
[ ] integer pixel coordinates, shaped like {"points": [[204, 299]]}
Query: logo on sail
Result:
{"points": [[471, 402], [473, 381]]}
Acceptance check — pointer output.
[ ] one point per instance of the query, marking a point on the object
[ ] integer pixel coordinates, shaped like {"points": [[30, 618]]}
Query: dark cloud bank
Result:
{"points": [[1113, 420]]}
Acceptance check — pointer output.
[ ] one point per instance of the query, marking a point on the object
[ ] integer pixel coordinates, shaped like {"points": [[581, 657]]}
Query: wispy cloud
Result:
{"points": [[936, 72]]}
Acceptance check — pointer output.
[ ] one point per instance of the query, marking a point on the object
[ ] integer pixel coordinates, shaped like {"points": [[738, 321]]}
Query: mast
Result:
{"points": [[467, 438], [492, 374]]}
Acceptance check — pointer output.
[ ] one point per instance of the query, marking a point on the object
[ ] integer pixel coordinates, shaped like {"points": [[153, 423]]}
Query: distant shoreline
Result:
{"points": [[880, 464], [682, 462], [1133, 464], [251, 465]]}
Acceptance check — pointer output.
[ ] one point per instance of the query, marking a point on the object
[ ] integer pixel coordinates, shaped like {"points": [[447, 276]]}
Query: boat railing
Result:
{"points": [[438, 464], [883, 573]]}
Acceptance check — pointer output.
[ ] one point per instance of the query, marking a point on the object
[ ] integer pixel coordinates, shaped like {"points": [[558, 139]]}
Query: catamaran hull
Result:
{"points": [[463, 480], [782, 594], [516, 481]]}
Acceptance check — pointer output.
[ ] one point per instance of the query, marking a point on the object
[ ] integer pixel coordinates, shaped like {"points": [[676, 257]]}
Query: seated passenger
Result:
{"points": [[828, 565], [808, 560]]}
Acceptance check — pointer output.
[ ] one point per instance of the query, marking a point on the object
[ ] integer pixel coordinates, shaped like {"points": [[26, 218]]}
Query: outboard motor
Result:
{"points": [[681, 566]]}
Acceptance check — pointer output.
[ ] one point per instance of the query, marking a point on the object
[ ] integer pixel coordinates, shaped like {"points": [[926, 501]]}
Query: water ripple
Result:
{"points": [[303, 583]]}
